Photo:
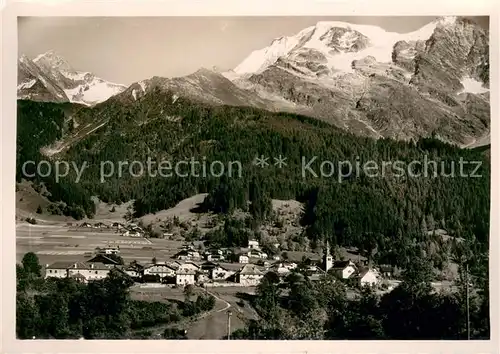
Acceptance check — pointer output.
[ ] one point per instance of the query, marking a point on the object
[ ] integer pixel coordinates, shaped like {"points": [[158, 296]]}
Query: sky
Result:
{"points": [[128, 49]]}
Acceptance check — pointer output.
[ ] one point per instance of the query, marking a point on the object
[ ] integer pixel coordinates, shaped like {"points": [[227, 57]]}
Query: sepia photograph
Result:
{"points": [[253, 178]]}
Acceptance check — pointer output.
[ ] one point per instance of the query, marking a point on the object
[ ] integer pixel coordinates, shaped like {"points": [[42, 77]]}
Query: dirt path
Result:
{"points": [[214, 325]]}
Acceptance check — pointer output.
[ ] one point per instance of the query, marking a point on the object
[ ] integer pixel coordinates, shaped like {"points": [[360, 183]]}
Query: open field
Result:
{"points": [[62, 243]]}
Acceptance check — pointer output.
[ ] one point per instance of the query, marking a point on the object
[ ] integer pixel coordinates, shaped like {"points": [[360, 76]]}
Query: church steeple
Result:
{"points": [[328, 259]]}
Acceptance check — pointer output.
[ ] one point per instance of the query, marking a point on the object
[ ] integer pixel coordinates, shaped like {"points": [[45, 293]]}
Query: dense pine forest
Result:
{"points": [[392, 214]]}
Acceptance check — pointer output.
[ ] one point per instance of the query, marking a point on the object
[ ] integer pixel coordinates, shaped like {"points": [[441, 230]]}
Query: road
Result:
{"points": [[214, 324]]}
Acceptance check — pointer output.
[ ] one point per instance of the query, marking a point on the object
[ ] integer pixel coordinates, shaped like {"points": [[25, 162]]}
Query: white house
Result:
{"points": [[91, 271], [133, 272], [220, 273], [369, 277], [188, 254], [185, 277], [78, 270], [284, 268], [249, 275], [57, 270], [344, 269], [160, 269], [253, 244], [243, 259], [253, 253]]}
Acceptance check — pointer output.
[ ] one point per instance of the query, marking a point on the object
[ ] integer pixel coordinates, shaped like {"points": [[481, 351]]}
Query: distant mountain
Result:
{"points": [[433, 81], [204, 85], [363, 79], [49, 77]]}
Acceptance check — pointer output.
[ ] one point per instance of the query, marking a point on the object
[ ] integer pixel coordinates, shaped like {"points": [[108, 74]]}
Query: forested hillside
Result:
{"points": [[391, 213]]}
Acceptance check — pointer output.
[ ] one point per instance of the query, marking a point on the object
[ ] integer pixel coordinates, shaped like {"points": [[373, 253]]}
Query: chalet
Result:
{"points": [[249, 275], [253, 244], [284, 267], [134, 270], [344, 269], [187, 254], [160, 269], [386, 270], [185, 277], [221, 273], [207, 267], [369, 277], [243, 259]]}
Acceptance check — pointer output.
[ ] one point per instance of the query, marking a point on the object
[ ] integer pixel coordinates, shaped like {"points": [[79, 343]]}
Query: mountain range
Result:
{"points": [[363, 79], [49, 77]]}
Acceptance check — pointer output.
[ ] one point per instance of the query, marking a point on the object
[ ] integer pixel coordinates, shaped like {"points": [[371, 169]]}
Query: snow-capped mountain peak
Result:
{"points": [[58, 81], [53, 61], [336, 43]]}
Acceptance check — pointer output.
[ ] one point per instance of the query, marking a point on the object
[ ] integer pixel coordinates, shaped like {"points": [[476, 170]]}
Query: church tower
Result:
{"points": [[328, 259]]}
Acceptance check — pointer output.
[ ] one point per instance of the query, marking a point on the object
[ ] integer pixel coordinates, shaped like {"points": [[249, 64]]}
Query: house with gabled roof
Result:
{"points": [[249, 275], [221, 273], [187, 254], [159, 269], [344, 269], [368, 277], [91, 271], [185, 277], [134, 270], [57, 270]]}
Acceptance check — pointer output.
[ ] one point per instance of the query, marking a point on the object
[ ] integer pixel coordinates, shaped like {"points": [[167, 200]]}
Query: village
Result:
{"points": [[214, 267]]}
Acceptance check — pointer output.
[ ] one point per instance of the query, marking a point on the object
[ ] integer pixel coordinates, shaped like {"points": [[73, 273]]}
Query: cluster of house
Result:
{"points": [[130, 229], [245, 255], [189, 269], [179, 273]]}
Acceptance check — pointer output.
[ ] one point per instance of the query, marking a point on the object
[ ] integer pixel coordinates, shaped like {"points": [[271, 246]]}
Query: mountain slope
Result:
{"points": [[49, 77], [204, 85], [35, 84], [167, 130], [381, 84]]}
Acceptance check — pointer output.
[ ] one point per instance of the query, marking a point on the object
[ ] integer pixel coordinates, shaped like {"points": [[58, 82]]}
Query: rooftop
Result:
{"points": [[250, 269]]}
